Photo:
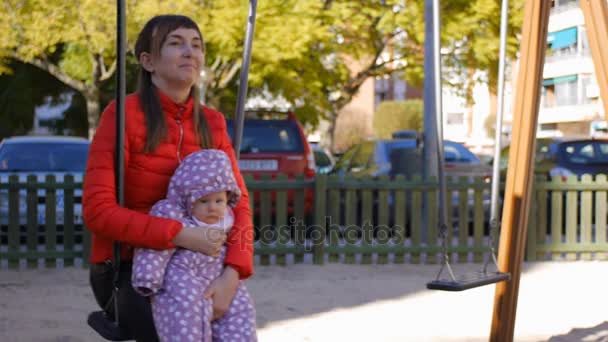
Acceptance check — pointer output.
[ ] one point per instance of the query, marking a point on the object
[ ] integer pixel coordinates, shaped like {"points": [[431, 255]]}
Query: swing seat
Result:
{"points": [[468, 281], [107, 328]]}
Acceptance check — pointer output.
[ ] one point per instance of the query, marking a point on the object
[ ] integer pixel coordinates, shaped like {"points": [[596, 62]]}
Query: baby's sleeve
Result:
{"points": [[149, 265]]}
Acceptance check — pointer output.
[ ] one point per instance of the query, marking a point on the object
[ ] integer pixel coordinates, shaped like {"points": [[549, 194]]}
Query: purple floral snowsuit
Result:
{"points": [[177, 278]]}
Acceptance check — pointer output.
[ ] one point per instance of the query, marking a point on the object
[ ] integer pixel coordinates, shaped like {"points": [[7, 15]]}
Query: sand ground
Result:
{"points": [[558, 301]]}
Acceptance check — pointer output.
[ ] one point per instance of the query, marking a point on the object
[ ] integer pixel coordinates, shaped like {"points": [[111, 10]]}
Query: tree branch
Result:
{"points": [[327, 4], [107, 73], [223, 81], [52, 69]]}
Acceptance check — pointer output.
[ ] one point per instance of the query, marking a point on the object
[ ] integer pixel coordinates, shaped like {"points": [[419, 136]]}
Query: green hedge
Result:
{"points": [[392, 116]]}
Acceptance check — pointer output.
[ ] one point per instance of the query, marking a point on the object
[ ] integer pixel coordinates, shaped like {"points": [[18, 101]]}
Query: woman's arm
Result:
{"points": [[102, 214], [239, 255]]}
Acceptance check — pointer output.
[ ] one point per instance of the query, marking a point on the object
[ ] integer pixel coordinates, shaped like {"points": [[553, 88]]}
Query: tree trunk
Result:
{"points": [[470, 101], [93, 109], [331, 131], [493, 101]]}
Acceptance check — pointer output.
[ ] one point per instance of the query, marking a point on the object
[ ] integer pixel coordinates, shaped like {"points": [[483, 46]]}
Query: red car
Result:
{"points": [[273, 144]]}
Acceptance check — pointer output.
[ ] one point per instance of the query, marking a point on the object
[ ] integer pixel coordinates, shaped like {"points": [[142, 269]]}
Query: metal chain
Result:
{"points": [[443, 230]]}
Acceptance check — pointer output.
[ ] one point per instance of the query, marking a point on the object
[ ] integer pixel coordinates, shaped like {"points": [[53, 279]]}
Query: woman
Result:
{"points": [[163, 124]]}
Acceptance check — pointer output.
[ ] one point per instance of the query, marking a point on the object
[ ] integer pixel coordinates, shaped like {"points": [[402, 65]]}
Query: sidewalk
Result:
{"points": [[343, 302]]}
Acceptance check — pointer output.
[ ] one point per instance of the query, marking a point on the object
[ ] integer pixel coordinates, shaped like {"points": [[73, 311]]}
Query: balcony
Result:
{"points": [[571, 113], [566, 55]]}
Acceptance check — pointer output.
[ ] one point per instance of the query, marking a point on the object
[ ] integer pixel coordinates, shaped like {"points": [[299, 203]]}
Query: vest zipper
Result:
{"points": [[181, 134]]}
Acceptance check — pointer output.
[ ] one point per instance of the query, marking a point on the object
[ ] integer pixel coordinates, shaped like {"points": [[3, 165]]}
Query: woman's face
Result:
{"points": [[180, 60]]}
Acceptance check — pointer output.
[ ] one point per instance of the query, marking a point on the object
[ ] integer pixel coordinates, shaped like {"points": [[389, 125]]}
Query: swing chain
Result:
{"points": [[494, 228], [445, 262]]}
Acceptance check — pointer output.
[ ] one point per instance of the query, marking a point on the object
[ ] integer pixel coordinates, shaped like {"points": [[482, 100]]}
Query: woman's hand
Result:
{"points": [[204, 240], [222, 290]]}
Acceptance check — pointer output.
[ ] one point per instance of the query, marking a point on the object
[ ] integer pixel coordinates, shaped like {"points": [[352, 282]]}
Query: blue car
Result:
{"points": [[41, 156]]}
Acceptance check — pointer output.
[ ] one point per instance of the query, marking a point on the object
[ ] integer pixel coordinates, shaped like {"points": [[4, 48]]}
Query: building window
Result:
{"points": [[381, 90], [560, 91], [455, 119], [548, 127], [564, 4], [547, 96]]}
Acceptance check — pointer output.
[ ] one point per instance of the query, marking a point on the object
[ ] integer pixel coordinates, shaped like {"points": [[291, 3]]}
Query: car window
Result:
{"points": [[546, 150], [48, 156], [269, 136], [457, 153], [585, 152], [405, 160]]}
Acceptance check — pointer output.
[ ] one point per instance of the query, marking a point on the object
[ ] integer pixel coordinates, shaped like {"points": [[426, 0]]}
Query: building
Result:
{"points": [[570, 101]]}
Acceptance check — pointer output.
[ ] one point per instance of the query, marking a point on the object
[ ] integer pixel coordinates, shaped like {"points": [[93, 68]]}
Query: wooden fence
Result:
{"points": [[331, 219]]}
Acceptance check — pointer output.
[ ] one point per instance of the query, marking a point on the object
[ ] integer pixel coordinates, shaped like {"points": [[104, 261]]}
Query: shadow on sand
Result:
{"points": [[598, 333]]}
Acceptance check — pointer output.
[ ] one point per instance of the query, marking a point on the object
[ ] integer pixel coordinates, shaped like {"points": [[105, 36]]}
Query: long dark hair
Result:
{"points": [[150, 40]]}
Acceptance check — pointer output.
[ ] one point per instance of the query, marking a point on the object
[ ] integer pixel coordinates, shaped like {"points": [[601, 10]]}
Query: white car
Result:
{"points": [[41, 156]]}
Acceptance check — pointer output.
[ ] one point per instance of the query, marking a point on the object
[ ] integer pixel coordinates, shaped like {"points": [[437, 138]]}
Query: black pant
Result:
{"points": [[135, 313]]}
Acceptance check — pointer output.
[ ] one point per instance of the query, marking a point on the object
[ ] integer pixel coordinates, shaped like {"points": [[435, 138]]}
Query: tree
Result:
{"points": [[476, 46], [303, 50], [368, 30], [75, 44]]}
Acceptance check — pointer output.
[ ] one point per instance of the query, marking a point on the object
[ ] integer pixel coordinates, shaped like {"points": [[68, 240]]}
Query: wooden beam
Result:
{"points": [[596, 22], [521, 167]]}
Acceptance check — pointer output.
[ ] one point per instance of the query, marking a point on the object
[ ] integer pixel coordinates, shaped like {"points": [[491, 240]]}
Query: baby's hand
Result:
{"points": [[204, 240]]}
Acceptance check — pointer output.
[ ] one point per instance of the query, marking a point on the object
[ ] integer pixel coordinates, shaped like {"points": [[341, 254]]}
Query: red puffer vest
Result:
{"points": [[146, 179]]}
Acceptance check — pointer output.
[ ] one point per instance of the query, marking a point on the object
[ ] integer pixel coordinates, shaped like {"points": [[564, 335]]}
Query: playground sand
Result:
{"points": [[558, 301]]}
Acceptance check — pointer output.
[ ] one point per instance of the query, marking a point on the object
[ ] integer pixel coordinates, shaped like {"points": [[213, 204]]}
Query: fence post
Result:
{"points": [[50, 220], [32, 220], [69, 229], [318, 233], [600, 213], [13, 220]]}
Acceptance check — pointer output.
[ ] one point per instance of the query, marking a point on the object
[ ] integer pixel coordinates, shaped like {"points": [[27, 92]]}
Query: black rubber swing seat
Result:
{"points": [[468, 281], [107, 328]]}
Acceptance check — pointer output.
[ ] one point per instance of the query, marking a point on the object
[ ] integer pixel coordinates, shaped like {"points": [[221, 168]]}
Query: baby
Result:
{"points": [[201, 194]]}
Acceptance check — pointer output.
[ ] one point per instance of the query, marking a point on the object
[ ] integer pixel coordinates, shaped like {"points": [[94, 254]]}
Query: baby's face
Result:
{"points": [[210, 209]]}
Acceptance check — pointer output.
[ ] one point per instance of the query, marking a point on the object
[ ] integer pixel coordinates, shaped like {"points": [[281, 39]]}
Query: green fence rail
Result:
{"points": [[330, 219]]}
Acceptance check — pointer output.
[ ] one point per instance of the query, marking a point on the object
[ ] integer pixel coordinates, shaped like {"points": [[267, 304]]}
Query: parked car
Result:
{"points": [[460, 161], [272, 144], [324, 160], [392, 157], [544, 156], [404, 156], [564, 157], [42, 156], [380, 157], [579, 157]]}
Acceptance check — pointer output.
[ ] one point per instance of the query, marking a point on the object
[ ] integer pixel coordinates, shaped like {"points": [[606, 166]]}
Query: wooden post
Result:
{"points": [[596, 22], [521, 156]]}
